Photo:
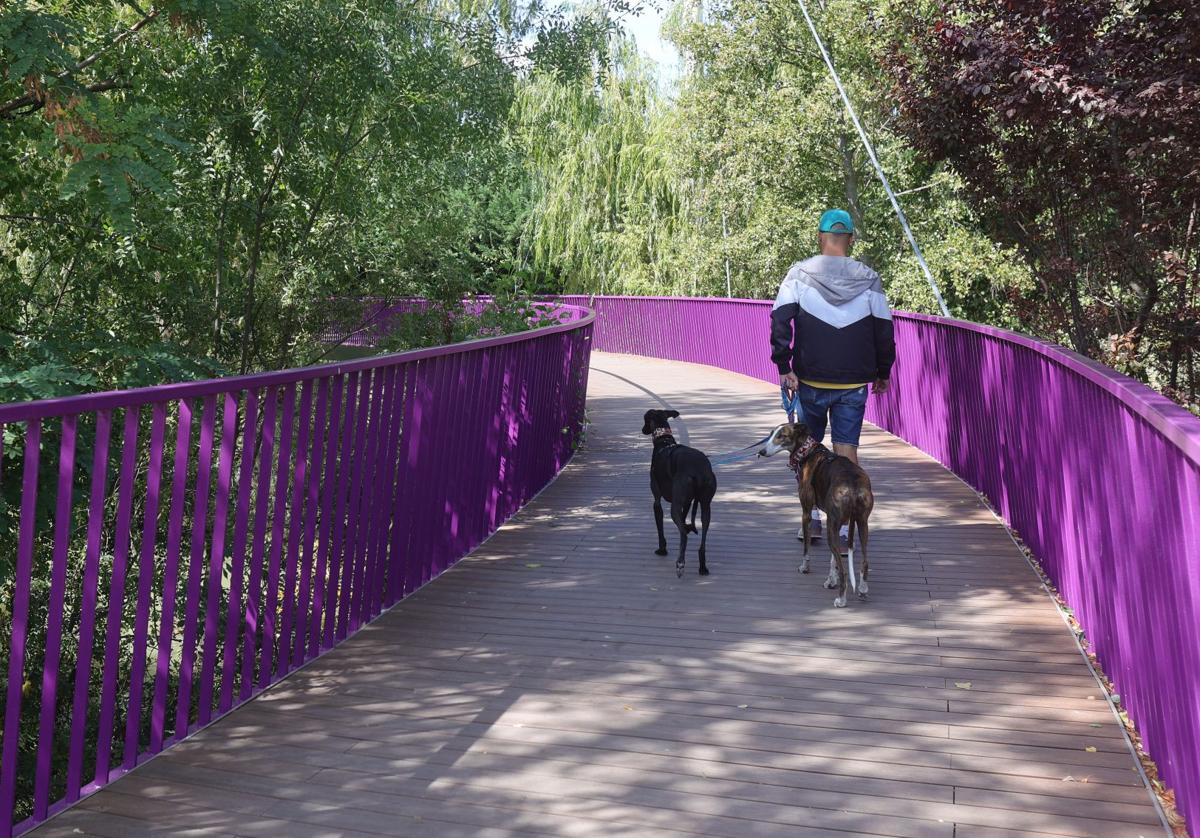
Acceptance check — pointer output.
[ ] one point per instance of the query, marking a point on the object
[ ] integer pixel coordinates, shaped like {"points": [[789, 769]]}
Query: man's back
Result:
{"points": [[831, 324]]}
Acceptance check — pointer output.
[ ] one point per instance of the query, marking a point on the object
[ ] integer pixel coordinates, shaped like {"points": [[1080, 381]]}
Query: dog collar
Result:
{"points": [[661, 432], [801, 454]]}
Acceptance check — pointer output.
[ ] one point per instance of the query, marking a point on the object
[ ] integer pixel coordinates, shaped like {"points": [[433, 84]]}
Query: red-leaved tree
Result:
{"points": [[1076, 126]]}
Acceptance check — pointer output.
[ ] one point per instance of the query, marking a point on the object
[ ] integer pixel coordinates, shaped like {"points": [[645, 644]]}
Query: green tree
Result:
{"points": [[198, 180], [609, 203], [769, 147], [717, 188]]}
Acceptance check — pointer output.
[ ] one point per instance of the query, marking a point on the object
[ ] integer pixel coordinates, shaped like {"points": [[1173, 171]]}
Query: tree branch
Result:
{"points": [[41, 219], [32, 103], [124, 36]]}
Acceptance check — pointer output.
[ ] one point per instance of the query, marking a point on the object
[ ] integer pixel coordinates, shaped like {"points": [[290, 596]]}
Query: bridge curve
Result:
{"points": [[560, 680]]}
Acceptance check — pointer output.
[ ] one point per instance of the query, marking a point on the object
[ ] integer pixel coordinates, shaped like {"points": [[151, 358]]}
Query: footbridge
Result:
{"points": [[417, 595]]}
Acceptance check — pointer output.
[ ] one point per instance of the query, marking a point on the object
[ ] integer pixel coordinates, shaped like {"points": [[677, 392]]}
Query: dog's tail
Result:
{"points": [[853, 577], [859, 529]]}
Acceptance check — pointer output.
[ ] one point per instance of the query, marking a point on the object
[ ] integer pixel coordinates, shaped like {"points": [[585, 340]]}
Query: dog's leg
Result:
{"points": [[837, 569], [658, 522], [866, 567], [850, 552], [836, 556], [806, 526], [692, 526], [679, 516], [705, 517]]}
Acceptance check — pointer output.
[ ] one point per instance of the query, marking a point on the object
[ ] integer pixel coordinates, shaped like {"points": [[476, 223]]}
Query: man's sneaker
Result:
{"points": [[816, 530]]}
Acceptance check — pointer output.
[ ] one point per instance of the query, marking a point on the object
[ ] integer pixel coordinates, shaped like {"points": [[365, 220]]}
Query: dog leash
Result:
{"points": [[728, 457], [790, 400], [750, 450]]}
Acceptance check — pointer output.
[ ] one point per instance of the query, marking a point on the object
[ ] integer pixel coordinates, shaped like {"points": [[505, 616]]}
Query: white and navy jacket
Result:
{"points": [[831, 323]]}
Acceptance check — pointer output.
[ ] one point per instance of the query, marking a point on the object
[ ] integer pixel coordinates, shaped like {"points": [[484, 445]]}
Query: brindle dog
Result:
{"points": [[840, 489], [683, 476]]}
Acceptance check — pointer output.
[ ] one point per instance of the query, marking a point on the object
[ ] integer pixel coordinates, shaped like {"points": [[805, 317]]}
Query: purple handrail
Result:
{"points": [[244, 526], [1098, 474]]}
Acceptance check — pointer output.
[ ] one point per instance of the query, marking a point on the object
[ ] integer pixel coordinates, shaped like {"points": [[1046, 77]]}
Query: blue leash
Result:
{"points": [[791, 403], [750, 450]]}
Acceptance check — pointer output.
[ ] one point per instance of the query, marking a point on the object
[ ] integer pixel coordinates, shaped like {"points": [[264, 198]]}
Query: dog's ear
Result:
{"points": [[672, 414], [648, 422]]}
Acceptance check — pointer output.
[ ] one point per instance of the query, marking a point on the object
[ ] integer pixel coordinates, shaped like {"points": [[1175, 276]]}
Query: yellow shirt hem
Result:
{"points": [[825, 385]]}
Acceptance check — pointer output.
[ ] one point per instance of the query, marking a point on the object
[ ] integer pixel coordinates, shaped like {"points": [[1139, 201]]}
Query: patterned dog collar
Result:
{"points": [[801, 454]]}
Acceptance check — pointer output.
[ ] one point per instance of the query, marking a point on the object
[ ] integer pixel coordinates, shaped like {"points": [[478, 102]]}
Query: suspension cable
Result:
{"points": [[912, 240]]}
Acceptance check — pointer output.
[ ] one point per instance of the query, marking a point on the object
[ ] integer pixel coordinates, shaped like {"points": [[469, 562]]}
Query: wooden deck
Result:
{"points": [[562, 681]]}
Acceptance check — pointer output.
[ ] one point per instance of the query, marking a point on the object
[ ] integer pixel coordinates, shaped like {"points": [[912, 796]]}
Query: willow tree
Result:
{"points": [[609, 201]]}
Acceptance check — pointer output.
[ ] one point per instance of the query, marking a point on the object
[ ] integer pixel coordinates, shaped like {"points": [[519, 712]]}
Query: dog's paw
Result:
{"points": [[840, 602], [804, 568], [704, 570], [692, 528], [863, 590], [831, 582], [661, 551], [862, 595]]}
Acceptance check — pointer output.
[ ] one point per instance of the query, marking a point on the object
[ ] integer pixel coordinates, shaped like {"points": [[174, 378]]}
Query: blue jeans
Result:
{"points": [[842, 409]]}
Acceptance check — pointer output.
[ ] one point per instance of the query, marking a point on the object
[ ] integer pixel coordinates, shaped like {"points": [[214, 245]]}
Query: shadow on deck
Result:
{"points": [[562, 681]]}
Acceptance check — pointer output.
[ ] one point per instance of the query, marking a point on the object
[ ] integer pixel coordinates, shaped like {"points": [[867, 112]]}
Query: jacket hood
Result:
{"points": [[838, 279]]}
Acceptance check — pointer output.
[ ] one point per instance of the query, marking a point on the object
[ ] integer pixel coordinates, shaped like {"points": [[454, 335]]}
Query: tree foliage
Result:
{"points": [[202, 177], [717, 189], [1075, 125], [609, 205]]}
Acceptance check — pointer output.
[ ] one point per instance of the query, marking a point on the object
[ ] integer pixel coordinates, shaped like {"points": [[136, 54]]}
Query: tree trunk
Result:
{"points": [[849, 177], [220, 266]]}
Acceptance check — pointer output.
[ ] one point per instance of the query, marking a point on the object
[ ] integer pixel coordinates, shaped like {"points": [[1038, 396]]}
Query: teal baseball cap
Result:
{"points": [[836, 221]]}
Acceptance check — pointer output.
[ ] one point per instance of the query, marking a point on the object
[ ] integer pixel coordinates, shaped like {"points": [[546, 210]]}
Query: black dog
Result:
{"points": [[683, 476]]}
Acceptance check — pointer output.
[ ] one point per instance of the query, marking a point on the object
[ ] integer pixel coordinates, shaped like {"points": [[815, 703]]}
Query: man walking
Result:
{"points": [[831, 337]]}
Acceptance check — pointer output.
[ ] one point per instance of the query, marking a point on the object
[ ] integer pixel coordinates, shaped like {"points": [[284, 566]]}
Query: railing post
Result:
{"points": [[58, 584], [87, 619], [116, 596], [183, 705], [326, 567], [238, 569], [166, 625], [310, 523], [216, 561], [23, 573], [133, 714], [299, 495]]}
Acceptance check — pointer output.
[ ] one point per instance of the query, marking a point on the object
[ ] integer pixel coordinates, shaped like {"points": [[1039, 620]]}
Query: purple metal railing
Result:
{"points": [[240, 528], [1098, 474]]}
